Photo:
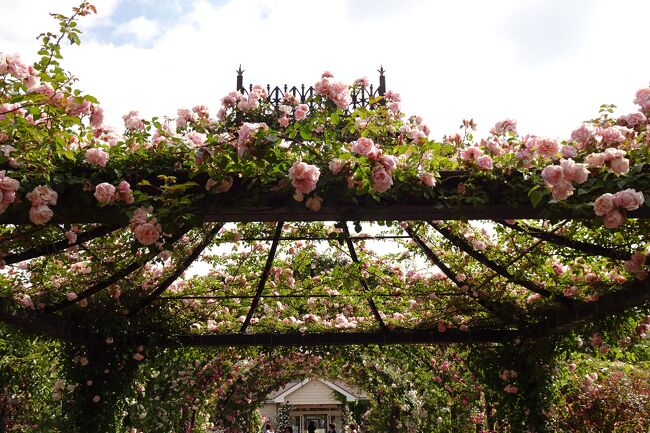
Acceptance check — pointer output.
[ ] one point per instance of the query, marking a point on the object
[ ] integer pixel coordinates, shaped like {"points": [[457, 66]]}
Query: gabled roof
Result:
{"points": [[280, 395]]}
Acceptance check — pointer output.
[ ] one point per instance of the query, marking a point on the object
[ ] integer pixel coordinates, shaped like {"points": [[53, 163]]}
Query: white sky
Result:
{"points": [[548, 64]]}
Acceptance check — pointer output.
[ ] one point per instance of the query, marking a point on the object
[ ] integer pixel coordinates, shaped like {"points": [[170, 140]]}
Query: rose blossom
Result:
{"points": [[574, 172], [147, 233], [583, 134], [42, 194], [629, 199], [562, 190], [595, 160], [634, 119], [304, 177], [40, 214], [568, 151], [643, 98], [314, 203], [614, 134], [389, 162], [97, 156], [105, 192], [613, 219], [132, 121], [427, 178], [484, 162], [300, 113], [604, 204], [547, 146], [125, 192], [381, 180], [336, 165], [552, 174], [363, 146], [619, 165], [471, 153]]}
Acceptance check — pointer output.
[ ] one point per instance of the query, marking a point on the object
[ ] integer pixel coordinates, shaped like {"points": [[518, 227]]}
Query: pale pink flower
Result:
{"points": [[132, 121], [574, 172], [504, 126], [389, 162], [595, 160], [314, 203], [552, 174], [381, 180], [643, 98], [614, 134], [97, 156], [125, 193], [629, 199], [304, 177], [97, 117], [42, 194], [336, 165], [471, 153], [245, 135], [185, 115], [71, 296], [300, 113], [548, 147], [427, 179], [562, 190], [283, 121], [484, 162], [147, 233], [40, 214], [619, 165], [613, 219], [327, 74], [584, 134], [225, 184], [105, 192], [634, 119], [604, 204], [363, 146], [194, 138], [568, 151], [71, 237], [138, 356]]}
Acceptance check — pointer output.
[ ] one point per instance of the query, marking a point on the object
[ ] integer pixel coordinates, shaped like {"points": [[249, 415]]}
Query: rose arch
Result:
{"points": [[299, 221]]}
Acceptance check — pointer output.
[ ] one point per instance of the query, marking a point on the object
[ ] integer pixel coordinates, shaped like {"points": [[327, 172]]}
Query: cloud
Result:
{"points": [[142, 28], [449, 60]]}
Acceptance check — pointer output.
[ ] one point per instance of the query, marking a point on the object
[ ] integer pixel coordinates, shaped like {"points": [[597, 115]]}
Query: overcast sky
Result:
{"points": [[549, 64]]}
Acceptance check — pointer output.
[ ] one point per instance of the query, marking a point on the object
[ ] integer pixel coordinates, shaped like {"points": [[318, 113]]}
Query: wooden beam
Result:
{"points": [[344, 338], [263, 277], [362, 280]]}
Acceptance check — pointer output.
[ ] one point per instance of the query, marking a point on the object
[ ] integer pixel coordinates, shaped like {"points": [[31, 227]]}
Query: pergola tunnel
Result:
{"points": [[171, 277]]}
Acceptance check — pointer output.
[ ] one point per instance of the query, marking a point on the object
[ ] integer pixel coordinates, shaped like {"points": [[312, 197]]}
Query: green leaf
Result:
{"points": [[305, 132], [335, 119], [536, 195]]}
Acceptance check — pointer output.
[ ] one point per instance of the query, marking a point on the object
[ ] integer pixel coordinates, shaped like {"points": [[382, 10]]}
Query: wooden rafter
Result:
{"points": [[263, 277]]}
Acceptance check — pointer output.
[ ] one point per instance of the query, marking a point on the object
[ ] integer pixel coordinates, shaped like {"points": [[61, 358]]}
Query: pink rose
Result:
{"points": [[245, 135], [471, 153], [389, 162], [568, 151], [583, 135], [40, 214], [634, 119], [562, 190], [507, 125], [604, 204], [42, 194], [573, 172], [619, 165], [105, 193], [643, 98], [614, 134], [301, 111], [314, 203], [552, 174], [629, 199], [484, 162], [225, 184], [336, 165], [363, 146], [304, 177], [547, 146], [147, 233], [132, 121], [595, 160], [97, 117], [613, 219], [125, 193], [427, 178], [381, 180], [97, 156], [283, 121]]}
